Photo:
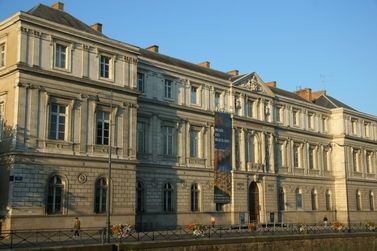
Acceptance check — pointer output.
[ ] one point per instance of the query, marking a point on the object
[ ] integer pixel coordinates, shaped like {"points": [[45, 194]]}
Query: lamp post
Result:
{"points": [[108, 201]]}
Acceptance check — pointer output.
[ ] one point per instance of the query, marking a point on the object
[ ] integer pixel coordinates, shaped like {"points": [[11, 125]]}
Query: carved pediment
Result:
{"points": [[253, 83]]}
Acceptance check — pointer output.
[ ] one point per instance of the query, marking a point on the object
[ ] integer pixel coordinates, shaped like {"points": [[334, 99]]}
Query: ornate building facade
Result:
{"points": [[70, 97]]}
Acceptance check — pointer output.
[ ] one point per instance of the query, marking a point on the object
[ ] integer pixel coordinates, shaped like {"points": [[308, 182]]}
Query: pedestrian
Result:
{"points": [[325, 221], [76, 227], [213, 221]]}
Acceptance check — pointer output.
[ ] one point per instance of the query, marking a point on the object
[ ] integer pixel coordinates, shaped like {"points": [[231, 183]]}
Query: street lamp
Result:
{"points": [[108, 195], [108, 215]]}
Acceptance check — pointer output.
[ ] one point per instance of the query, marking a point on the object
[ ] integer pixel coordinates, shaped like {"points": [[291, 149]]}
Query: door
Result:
{"points": [[253, 202]]}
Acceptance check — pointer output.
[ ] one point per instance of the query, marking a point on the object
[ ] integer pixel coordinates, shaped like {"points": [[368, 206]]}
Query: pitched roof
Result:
{"points": [[62, 18], [330, 102], [184, 64], [281, 92]]}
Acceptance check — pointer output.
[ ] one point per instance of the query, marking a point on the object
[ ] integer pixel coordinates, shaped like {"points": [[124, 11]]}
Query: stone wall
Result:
{"points": [[333, 242]]}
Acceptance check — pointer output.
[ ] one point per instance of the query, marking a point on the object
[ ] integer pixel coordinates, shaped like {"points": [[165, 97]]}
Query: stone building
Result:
{"points": [[70, 96]]}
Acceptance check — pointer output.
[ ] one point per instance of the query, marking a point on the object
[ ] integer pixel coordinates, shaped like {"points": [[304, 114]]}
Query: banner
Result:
{"points": [[223, 157]]}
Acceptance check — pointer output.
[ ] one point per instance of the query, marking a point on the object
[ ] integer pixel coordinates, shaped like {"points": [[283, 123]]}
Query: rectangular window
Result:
{"points": [[140, 82], [60, 56], [249, 108], [168, 140], [194, 143], [295, 118], [2, 55], [140, 137], [369, 162], [311, 157], [168, 88], [249, 149], [324, 124], [103, 123], [298, 200], [325, 160], [217, 101], [295, 155], [355, 160], [194, 94], [57, 121], [310, 120], [104, 66], [278, 114], [354, 126]]}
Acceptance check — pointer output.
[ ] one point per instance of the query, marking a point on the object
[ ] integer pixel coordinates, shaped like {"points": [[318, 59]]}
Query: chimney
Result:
{"points": [[97, 27], [233, 72], [152, 48], [305, 93], [58, 6], [271, 84], [205, 64]]}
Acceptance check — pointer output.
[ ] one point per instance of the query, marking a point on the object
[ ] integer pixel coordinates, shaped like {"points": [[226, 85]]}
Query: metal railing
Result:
{"points": [[88, 236]]}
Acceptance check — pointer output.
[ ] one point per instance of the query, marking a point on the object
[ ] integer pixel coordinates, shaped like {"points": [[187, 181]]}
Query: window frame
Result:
{"points": [[195, 197], [58, 116], [314, 199], [140, 196], [141, 148], [194, 90], [3, 54], [168, 140], [328, 200], [100, 195], [51, 207], [140, 78], [358, 200], [168, 198], [371, 201], [194, 144], [168, 89], [110, 65], [299, 199], [103, 122]]}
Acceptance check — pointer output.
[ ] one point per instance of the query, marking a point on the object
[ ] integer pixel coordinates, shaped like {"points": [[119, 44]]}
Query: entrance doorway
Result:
{"points": [[253, 202]]}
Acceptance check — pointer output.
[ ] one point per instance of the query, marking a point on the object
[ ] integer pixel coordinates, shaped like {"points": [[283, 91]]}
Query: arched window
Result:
{"points": [[100, 196], [139, 196], [168, 197], [371, 201], [55, 195], [314, 200], [298, 198], [194, 197], [358, 200], [328, 200], [281, 200]]}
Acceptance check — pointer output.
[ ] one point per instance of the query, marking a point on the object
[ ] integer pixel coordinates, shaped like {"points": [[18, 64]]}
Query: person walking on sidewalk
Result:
{"points": [[76, 227]]}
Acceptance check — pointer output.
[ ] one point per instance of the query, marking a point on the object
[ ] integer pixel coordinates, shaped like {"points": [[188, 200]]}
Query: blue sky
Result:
{"points": [[318, 44]]}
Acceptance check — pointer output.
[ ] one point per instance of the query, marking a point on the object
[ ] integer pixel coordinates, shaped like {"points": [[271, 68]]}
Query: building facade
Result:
{"points": [[70, 98]]}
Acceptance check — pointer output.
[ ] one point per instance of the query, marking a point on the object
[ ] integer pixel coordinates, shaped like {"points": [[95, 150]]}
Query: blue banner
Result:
{"points": [[223, 157]]}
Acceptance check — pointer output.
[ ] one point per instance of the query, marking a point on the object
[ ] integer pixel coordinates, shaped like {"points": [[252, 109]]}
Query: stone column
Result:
{"points": [[85, 60], [180, 143], [234, 162], [132, 131], [43, 113], [242, 137], [187, 137]]}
